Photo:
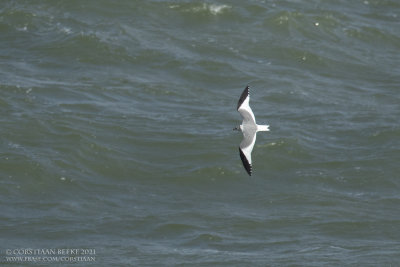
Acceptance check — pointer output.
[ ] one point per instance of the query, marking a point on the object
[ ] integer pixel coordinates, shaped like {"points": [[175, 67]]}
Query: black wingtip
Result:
{"points": [[243, 96], [246, 164]]}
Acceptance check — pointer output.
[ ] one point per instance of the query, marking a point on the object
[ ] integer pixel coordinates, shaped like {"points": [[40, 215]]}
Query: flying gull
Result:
{"points": [[249, 128]]}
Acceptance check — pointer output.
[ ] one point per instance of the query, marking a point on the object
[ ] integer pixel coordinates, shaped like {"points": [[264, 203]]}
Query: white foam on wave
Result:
{"points": [[214, 9], [24, 28], [66, 30], [217, 9]]}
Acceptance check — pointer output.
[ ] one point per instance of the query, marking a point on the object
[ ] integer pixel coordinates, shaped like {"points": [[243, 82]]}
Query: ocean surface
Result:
{"points": [[116, 134]]}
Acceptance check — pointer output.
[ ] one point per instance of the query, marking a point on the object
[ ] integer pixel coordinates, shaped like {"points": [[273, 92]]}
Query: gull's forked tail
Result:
{"points": [[262, 128]]}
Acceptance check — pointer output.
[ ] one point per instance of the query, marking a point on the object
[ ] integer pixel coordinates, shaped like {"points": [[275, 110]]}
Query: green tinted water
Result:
{"points": [[116, 131]]}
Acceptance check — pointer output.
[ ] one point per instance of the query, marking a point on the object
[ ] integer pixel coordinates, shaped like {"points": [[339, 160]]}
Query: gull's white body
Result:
{"points": [[249, 128]]}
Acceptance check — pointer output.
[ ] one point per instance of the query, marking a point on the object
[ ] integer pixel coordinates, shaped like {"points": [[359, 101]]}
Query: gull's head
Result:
{"points": [[237, 128]]}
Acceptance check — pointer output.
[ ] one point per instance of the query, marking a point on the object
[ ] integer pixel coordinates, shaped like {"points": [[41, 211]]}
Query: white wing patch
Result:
{"points": [[247, 150], [245, 111]]}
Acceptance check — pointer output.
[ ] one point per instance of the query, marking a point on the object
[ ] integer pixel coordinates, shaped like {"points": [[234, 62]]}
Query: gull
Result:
{"points": [[249, 128]]}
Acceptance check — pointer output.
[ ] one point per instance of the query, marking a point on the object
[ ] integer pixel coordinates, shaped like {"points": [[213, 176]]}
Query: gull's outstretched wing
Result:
{"points": [[244, 108], [246, 147]]}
